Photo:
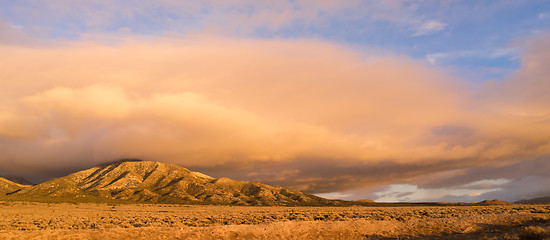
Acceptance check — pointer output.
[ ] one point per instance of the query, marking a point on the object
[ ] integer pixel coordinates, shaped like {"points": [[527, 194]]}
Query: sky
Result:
{"points": [[383, 100]]}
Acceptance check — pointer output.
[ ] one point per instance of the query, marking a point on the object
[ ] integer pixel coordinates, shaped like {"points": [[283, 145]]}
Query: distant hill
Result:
{"points": [[538, 200], [493, 202], [155, 182], [7, 186]]}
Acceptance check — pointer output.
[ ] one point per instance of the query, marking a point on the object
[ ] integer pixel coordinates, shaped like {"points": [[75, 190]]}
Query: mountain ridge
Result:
{"points": [[154, 182], [139, 181]]}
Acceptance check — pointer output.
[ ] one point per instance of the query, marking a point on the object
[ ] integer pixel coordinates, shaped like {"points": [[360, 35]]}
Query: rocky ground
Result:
{"points": [[30, 220]]}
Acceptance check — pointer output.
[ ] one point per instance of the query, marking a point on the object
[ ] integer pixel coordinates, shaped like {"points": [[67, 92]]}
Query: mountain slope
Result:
{"points": [[154, 182], [538, 200], [7, 186], [18, 180]]}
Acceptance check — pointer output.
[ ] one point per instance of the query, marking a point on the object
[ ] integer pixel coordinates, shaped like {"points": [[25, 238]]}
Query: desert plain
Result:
{"points": [[38, 220]]}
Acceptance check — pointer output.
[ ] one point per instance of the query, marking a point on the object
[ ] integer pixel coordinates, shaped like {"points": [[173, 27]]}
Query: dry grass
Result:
{"points": [[27, 220]]}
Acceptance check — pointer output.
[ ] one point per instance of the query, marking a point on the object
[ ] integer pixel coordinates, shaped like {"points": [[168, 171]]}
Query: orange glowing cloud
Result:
{"points": [[307, 114]]}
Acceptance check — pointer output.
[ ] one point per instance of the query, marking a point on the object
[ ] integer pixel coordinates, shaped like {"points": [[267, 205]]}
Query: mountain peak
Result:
{"points": [[120, 161]]}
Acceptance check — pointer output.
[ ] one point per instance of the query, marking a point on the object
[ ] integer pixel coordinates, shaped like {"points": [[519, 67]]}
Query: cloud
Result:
{"points": [[307, 114], [435, 58], [70, 19], [429, 27], [522, 180], [522, 93], [12, 34], [509, 52], [177, 16]]}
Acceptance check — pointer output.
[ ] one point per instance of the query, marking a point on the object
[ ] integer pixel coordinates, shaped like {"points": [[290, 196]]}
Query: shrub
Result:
{"points": [[533, 233]]}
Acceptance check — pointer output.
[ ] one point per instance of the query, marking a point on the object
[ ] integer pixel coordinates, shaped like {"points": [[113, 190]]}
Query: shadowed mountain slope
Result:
{"points": [[18, 180], [493, 202], [154, 182]]}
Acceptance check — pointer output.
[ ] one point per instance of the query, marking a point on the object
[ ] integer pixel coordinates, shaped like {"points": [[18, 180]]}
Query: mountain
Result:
{"points": [[155, 182], [538, 200], [7, 186]]}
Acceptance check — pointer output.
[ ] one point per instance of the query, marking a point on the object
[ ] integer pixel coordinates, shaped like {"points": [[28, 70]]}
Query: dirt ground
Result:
{"points": [[30, 220]]}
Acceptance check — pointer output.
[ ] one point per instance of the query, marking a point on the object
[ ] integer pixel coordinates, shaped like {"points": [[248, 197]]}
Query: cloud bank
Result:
{"points": [[307, 114]]}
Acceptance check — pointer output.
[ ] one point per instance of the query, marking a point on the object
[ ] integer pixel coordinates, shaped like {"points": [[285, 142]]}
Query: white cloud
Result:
{"points": [[413, 193], [429, 27], [439, 57], [505, 52], [334, 195], [435, 57]]}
